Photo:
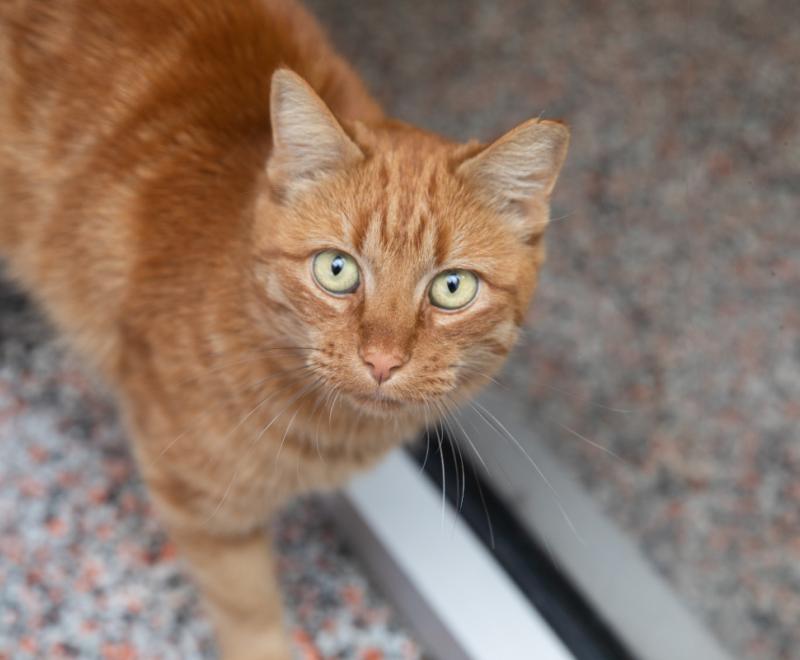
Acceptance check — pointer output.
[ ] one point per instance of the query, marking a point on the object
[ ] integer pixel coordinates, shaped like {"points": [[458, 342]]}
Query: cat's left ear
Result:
{"points": [[515, 175], [308, 143]]}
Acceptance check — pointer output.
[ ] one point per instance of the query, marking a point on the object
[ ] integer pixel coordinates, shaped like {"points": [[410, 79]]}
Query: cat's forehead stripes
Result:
{"points": [[403, 217]]}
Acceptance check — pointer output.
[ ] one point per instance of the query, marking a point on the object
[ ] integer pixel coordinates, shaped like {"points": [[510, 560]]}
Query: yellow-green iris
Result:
{"points": [[336, 271], [453, 289]]}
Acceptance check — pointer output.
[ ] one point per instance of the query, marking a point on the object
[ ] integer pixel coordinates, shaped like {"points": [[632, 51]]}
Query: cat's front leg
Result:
{"points": [[236, 576]]}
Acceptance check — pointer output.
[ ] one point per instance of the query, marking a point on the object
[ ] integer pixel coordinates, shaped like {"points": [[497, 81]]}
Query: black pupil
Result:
{"points": [[336, 265], [452, 282]]}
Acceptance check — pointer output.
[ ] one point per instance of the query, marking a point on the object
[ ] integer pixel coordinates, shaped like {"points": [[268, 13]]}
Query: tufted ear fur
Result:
{"points": [[308, 141], [518, 170]]}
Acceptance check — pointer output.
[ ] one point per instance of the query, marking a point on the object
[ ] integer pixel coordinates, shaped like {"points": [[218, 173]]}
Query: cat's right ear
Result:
{"points": [[515, 175], [308, 143]]}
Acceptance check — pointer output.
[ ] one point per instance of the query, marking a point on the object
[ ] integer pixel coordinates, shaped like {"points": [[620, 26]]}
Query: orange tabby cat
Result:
{"points": [[279, 283]]}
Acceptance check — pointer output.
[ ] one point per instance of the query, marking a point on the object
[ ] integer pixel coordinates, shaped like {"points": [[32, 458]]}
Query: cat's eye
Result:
{"points": [[336, 272], [453, 289]]}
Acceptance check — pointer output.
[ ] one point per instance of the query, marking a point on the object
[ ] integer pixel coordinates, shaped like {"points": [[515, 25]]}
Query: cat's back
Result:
{"points": [[107, 105], [101, 83], [99, 100], [70, 73], [69, 69]]}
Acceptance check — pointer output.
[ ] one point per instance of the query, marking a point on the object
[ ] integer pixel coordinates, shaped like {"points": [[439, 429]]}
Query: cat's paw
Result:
{"points": [[270, 645]]}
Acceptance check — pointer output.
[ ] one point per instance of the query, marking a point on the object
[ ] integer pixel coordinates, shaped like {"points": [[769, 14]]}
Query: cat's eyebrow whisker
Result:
{"points": [[565, 216], [477, 407], [590, 442]]}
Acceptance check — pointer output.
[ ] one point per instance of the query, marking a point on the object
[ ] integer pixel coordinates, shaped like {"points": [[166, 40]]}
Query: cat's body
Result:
{"points": [[101, 130], [165, 206]]}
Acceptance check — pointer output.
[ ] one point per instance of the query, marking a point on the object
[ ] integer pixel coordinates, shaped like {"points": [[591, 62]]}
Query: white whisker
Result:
{"points": [[469, 440], [485, 508], [250, 448], [589, 442], [218, 404], [516, 442]]}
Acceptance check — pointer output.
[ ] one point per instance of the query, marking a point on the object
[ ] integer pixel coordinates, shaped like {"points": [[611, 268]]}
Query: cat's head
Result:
{"points": [[401, 263]]}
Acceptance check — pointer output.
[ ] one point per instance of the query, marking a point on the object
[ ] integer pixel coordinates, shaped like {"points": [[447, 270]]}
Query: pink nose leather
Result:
{"points": [[382, 364]]}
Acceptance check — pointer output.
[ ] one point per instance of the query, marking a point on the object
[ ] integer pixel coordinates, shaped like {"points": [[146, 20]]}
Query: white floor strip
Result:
{"points": [[437, 572]]}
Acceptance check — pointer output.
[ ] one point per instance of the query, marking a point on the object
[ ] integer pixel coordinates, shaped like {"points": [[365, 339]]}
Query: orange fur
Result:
{"points": [[164, 202]]}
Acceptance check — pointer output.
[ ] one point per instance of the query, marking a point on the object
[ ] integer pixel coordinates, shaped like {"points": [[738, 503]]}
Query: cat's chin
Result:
{"points": [[378, 403]]}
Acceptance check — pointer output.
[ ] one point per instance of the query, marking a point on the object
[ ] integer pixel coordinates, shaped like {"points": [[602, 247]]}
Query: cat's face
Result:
{"points": [[392, 258]]}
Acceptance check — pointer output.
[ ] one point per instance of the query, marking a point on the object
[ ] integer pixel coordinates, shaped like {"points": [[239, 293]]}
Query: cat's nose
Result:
{"points": [[383, 363]]}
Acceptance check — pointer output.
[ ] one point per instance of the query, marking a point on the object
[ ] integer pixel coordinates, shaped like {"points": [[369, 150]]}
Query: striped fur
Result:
{"points": [[165, 214]]}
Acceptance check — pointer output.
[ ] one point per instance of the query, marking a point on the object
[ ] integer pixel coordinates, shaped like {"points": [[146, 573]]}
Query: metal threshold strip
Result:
{"points": [[436, 572], [529, 565]]}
